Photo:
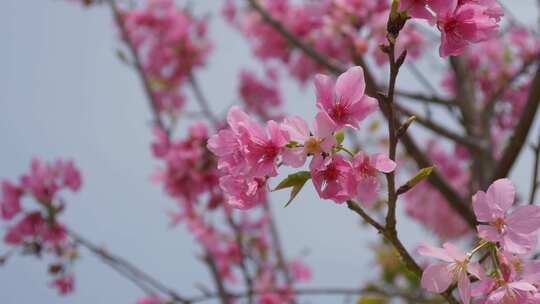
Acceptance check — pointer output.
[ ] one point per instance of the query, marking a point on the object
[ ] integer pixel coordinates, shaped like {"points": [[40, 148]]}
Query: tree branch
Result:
{"points": [[521, 131], [137, 63], [126, 268], [323, 60]]}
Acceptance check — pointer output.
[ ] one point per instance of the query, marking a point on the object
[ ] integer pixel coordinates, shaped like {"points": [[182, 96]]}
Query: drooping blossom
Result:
{"points": [[344, 101], [516, 232], [366, 170], [455, 268]]}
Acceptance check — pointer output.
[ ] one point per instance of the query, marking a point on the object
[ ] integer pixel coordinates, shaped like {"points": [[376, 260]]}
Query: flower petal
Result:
{"points": [[525, 219], [436, 278], [501, 194], [350, 85]]}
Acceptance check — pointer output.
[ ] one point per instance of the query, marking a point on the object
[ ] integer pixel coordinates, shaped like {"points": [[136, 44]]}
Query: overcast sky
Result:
{"points": [[64, 93]]}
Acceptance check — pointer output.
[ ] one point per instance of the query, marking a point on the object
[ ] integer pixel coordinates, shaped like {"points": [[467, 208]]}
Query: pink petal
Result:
{"points": [[236, 118], [481, 207], [368, 191], [454, 252], [435, 252], [324, 87], [501, 194], [436, 278], [443, 7], [488, 233], [522, 286], [464, 286], [350, 85], [296, 127], [294, 157], [525, 219], [518, 243], [323, 126], [382, 163]]}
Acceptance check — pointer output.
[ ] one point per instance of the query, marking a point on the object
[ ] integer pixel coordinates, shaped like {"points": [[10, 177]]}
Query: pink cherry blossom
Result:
{"points": [[261, 97], [416, 8], [299, 270], [333, 178], [263, 147], [516, 232], [10, 203], [455, 268], [64, 284], [322, 139], [461, 25], [345, 101], [366, 169]]}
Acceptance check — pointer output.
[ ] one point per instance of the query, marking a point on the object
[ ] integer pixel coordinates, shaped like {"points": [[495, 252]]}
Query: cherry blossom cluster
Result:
{"points": [[171, 43], [461, 22], [190, 177], [31, 207], [503, 273], [261, 97], [249, 153], [340, 30]]}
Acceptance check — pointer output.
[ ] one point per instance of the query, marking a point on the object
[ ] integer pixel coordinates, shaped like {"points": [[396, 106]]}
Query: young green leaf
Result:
{"points": [[295, 181], [421, 175]]}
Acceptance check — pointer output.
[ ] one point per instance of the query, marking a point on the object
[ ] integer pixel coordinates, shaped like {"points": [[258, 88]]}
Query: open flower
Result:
{"points": [[516, 232], [366, 171], [333, 178], [455, 268], [461, 25], [344, 101], [322, 139]]}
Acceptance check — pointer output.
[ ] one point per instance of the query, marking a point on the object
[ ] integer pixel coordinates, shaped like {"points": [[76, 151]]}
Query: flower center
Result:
{"points": [[339, 111], [312, 145]]}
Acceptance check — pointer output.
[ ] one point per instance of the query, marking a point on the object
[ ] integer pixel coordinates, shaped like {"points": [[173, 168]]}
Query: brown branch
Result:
{"points": [[457, 203], [223, 294], [126, 268], [243, 267], [203, 102], [137, 64], [277, 246], [521, 131], [276, 25], [534, 183], [432, 99], [441, 130]]}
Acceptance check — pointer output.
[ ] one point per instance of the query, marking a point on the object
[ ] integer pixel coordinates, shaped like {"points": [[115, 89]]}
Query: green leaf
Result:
{"points": [[340, 136], [420, 176], [295, 181]]}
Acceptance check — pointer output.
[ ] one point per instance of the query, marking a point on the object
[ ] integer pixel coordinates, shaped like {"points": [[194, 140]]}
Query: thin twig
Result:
{"points": [[534, 183], [311, 52], [120, 263], [137, 64], [203, 102], [441, 130], [521, 131]]}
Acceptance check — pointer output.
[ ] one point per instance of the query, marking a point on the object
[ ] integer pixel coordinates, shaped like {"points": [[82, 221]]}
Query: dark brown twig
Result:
{"points": [[521, 131]]}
